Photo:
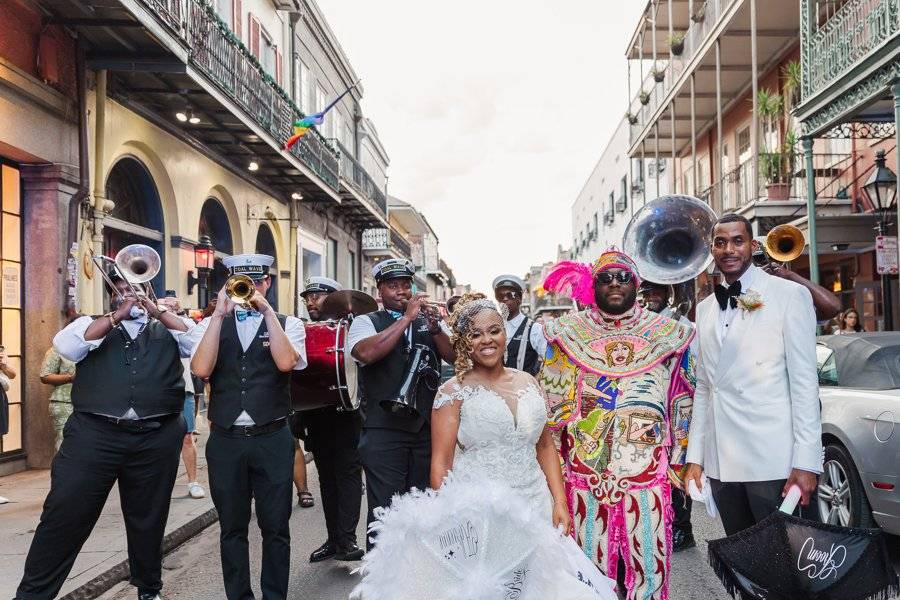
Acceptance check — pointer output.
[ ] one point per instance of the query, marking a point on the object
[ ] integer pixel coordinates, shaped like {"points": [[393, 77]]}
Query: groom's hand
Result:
{"points": [[692, 471], [804, 480]]}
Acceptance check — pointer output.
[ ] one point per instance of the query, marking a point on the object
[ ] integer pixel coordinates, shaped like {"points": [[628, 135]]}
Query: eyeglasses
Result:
{"points": [[621, 277]]}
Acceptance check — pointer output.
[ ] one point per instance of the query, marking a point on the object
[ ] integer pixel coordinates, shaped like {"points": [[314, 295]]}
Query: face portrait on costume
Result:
{"points": [[619, 353]]}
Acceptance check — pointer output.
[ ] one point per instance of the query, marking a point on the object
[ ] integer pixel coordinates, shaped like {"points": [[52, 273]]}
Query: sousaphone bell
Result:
{"points": [[783, 244]]}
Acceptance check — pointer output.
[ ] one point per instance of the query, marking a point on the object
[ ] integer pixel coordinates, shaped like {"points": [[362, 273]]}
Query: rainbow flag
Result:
{"points": [[306, 123]]}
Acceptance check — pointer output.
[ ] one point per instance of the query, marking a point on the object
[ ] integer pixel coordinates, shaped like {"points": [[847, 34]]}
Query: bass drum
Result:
{"points": [[330, 378]]}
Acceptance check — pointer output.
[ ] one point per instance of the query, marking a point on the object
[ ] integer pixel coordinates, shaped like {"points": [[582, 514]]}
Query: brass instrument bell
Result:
{"points": [[784, 243], [240, 289]]}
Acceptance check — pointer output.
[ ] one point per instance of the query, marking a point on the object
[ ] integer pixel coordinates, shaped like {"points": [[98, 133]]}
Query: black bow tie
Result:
{"points": [[728, 294]]}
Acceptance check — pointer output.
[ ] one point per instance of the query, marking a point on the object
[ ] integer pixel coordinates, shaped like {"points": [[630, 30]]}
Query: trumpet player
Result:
{"points": [[395, 449], [248, 353], [126, 428]]}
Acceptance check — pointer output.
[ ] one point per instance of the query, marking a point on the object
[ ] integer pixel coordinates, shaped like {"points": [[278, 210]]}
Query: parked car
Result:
{"points": [[859, 387]]}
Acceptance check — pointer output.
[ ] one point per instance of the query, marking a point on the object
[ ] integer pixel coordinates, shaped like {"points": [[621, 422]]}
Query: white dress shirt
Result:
{"points": [[537, 339], [726, 317], [70, 344], [246, 330]]}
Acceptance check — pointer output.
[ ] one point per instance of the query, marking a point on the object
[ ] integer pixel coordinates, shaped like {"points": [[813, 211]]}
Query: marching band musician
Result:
{"points": [[126, 427], [333, 436], [526, 346], [248, 356], [395, 450]]}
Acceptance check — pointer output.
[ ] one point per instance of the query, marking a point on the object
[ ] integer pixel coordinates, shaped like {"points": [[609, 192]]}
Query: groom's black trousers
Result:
{"points": [[394, 461], [744, 504]]}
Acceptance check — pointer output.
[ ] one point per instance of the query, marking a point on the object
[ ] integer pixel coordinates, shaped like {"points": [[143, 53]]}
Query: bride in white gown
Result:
{"points": [[500, 492]]}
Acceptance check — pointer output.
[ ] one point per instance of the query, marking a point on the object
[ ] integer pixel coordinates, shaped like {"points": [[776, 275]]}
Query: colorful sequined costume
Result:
{"points": [[620, 393]]}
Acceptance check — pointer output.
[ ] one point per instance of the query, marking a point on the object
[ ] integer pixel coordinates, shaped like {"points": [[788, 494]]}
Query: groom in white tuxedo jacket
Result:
{"points": [[756, 428]]}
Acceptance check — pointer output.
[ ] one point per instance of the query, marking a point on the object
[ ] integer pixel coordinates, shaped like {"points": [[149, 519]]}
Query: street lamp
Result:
{"points": [[881, 188], [204, 262]]}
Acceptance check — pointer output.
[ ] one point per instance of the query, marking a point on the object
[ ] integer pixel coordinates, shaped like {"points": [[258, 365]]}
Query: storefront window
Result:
{"points": [[11, 299]]}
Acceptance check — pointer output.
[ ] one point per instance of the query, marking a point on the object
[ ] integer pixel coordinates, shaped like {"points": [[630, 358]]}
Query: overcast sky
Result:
{"points": [[493, 112]]}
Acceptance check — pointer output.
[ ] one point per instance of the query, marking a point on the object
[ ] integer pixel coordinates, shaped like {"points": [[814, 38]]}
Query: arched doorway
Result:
{"points": [[214, 223], [265, 244], [137, 216]]}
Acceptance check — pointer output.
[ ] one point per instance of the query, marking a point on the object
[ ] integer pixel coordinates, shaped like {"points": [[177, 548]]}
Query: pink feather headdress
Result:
{"points": [[576, 280]]}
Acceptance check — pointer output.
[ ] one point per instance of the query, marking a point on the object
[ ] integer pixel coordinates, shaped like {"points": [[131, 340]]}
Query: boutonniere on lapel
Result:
{"points": [[750, 301]]}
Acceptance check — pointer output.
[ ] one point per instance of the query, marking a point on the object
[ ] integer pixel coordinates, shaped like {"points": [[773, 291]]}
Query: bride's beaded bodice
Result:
{"points": [[497, 435]]}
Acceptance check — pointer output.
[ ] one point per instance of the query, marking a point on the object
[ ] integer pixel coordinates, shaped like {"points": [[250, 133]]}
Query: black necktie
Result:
{"points": [[728, 294]]}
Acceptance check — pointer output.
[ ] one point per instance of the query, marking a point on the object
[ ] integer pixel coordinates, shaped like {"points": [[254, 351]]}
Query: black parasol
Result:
{"points": [[788, 558]]}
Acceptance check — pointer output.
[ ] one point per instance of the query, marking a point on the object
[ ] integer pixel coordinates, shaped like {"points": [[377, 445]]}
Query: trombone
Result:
{"points": [[783, 244], [136, 265]]}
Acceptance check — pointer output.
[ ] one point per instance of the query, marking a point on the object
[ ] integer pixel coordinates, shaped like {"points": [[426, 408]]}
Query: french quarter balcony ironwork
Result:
{"points": [[382, 238], [833, 174], [220, 55], [832, 44], [357, 177]]}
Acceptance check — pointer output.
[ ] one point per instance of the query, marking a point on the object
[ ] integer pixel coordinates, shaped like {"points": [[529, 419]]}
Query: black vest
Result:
{"points": [[247, 381], [522, 335], [381, 380], [152, 383]]}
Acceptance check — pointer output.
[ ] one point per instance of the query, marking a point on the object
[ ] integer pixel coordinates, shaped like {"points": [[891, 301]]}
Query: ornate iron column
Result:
{"points": [[811, 209]]}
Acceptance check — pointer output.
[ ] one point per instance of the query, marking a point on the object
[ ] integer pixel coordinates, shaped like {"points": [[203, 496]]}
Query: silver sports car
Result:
{"points": [[859, 386]]}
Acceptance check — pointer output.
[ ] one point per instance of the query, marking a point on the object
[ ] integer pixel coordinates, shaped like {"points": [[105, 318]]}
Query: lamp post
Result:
{"points": [[204, 262], [881, 188]]}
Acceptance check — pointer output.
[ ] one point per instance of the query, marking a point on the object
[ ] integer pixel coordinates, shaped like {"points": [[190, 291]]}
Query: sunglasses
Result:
{"points": [[621, 277]]}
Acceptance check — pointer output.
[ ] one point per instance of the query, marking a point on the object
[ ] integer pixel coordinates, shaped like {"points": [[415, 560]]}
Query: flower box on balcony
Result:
{"points": [[632, 119], [659, 74], [778, 191], [644, 97], [676, 43]]}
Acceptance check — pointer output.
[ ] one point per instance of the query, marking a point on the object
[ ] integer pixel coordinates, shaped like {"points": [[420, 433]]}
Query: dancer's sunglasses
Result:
{"points": [[607, 277]]}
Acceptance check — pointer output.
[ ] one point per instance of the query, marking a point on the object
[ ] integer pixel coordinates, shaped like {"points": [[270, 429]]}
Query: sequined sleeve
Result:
{"points": [[557, 378], [681, 403]]}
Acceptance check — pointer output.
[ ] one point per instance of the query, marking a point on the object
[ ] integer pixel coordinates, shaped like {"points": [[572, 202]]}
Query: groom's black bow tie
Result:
{"points": [[728, 294]]}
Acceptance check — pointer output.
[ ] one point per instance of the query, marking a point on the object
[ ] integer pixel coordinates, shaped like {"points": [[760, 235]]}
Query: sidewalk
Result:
{"points": [[103, 559]]}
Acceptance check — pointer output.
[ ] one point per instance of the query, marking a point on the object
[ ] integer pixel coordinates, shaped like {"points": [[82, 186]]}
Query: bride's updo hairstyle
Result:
{"points": [[461, 319]]}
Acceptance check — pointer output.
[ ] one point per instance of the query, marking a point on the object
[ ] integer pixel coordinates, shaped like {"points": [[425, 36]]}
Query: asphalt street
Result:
{"points": [[193, 570]]}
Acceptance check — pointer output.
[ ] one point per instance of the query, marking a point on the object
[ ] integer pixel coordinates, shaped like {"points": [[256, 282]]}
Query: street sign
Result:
{"points": [[886, 255]]}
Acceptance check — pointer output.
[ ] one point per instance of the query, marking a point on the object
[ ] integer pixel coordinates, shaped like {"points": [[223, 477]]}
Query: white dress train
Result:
{"points": [[487, 533]]}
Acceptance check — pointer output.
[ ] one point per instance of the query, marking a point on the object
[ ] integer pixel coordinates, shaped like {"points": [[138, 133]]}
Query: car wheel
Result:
{"points": [[842, 499]]}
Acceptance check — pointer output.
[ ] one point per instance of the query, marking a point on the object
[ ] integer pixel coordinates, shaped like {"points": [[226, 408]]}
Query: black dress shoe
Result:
{"points": [[323, 552], [349, 553], [682, 541]]}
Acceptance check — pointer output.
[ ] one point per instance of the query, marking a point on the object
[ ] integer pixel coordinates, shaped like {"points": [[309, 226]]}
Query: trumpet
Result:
{"points": [[240, 289], [136, 265]]}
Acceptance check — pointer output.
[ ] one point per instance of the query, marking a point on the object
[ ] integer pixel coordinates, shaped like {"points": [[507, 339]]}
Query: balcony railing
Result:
{"points": [[357, 177], [215, 50], [834, 42], [675, 66], [833, 180], [385, 239]]}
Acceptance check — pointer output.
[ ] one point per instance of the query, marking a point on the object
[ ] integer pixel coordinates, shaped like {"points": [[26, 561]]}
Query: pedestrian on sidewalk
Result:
{"points": [[60, 373], [248, 356], [188, 445], [127, 397]]}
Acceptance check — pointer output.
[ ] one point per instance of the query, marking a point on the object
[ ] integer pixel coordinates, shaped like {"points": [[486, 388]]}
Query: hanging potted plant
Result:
{"points": [[659, 73], [644, 97], [632, 119], [676, 42], [777, 160]]}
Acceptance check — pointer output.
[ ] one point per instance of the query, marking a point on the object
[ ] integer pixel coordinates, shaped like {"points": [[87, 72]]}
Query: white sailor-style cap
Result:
{"points": [[509, 281], [393, 268], [320, 284], [255, 266]]}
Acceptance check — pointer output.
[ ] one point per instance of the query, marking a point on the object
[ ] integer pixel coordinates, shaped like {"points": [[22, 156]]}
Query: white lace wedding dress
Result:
{"points": [[487, 533], [497, 435]]}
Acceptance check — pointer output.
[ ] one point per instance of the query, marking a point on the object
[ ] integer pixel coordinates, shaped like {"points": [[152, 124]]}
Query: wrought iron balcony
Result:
{"points": [[219, 54], [833, 42], [353, 173], [834, 180], [384, 240]]}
